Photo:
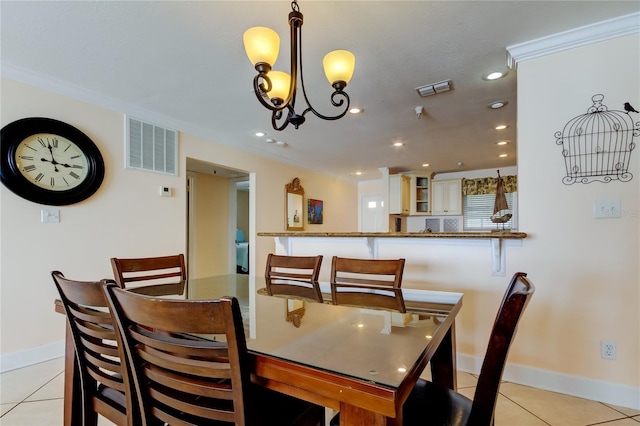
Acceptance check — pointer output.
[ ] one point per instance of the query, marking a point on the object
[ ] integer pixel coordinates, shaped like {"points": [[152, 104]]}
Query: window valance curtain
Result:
{"points": [[482, 186]]}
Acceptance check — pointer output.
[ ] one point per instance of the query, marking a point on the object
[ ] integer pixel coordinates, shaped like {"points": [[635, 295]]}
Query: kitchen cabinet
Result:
{"points": [[399, 194], [420, 195], [446, 197]]}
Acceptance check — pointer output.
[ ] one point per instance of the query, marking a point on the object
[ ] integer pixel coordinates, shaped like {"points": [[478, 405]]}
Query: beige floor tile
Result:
{"points": [[105, 422], [52, 390], [626, 411], [466, 380], [17, 385], [636, 418], [5, 408], [40, 413], [558, 409], [621, 422], [508, 413]]}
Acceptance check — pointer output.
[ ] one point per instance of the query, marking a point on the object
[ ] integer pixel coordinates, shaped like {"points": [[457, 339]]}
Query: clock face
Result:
{"points": [[51, 162]]}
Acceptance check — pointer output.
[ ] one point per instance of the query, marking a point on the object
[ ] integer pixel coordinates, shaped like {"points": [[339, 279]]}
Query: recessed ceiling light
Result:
{"points": [[398, 143], [269, 140], [503, 155], [260, 134], [358, 173], [502, 142], [501, 126], [497, 104], [426, 165], [282, 144], [356, 110], [494, 75]]}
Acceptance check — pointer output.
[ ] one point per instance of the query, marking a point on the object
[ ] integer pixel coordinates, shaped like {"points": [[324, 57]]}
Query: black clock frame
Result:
{"points": [[14, 133]]}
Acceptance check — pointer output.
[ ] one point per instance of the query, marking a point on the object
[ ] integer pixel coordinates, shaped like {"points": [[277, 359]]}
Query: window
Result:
{"points": [[479, 208]]}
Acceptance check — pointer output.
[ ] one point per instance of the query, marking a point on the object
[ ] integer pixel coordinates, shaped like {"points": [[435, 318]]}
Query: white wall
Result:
{"points": [[586, 270], [125, 218]]}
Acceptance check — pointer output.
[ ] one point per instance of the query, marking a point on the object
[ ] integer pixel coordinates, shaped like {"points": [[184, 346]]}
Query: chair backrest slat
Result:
{"points": [[295, 276], [371, 283], [96, 349], [178, 377], [149, 270], [513, 304]]}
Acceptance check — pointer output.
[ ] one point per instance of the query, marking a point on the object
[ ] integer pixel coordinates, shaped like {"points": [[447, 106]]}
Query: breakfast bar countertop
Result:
{"points": [[471, 235]]}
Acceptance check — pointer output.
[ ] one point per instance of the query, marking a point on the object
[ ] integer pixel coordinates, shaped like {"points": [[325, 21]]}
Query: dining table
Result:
{"points": [[360, 361]]}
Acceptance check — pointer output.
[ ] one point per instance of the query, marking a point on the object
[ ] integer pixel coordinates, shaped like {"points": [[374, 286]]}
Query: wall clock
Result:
{"points": [[49, 162]]}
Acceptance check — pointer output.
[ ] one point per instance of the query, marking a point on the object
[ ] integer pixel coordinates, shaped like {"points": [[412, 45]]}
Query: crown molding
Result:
{"points": [[582, 36]]}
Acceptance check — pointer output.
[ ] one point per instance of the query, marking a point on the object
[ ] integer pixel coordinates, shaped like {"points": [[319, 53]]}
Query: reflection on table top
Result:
{"points": [[373, 345]]}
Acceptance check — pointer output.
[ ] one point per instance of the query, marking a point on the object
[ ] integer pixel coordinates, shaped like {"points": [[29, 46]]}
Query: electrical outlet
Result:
{"points": [[608, 349]]}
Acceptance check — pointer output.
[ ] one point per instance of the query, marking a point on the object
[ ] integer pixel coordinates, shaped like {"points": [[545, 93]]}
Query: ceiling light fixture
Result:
{"points": [[276, 90], [426, 165], [502, 143], [494, 75], [497, 104], [398, 143], [260, 134], [503, 155], [356, 110], [501, 126]]}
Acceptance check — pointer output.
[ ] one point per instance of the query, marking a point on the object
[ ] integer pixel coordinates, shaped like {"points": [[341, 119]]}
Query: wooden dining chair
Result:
{"points": [[295, 276], [182, 381], [164, 271], [99, 367], [436, 405], [371, 283]]}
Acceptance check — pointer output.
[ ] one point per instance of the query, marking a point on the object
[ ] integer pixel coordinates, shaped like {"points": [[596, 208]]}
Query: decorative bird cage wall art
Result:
{"points": [[597, 146]]}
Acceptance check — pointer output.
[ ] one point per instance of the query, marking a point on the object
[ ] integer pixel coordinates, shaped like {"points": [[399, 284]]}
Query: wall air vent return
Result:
{"points": [[150, 147], [434, 88]]}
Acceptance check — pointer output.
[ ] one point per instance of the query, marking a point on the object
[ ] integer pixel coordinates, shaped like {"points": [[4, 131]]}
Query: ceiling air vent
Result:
{"points": [[150, 147], [434, 88]]}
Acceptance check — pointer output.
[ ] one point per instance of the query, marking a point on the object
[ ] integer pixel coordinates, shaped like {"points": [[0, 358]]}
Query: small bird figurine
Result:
{"points": [[629, 108]]}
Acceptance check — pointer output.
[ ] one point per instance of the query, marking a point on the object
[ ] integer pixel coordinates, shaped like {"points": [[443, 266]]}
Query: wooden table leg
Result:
{"points": [[443, 362], [72, 406], [356, 416]]}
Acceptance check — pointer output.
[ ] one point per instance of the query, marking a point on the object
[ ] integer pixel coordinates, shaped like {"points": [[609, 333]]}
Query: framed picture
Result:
{"points": [[314, 211]]}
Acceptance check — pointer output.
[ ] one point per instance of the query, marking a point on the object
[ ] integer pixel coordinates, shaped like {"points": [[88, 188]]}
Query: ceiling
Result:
{"points": [[182, 65]]}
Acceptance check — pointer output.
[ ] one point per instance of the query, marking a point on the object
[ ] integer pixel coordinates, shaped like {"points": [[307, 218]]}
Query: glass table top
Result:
{"points": [[373, 345]]}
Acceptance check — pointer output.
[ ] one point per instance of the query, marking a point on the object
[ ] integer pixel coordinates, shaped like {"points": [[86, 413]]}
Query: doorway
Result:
{"points": [[214, 218]]}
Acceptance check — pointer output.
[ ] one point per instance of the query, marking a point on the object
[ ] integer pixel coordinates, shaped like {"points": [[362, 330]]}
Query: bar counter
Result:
{"points": [[292, 242]]}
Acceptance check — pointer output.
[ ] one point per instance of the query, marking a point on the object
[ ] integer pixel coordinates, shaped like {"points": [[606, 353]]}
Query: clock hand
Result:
{"points": [[52, 161]]}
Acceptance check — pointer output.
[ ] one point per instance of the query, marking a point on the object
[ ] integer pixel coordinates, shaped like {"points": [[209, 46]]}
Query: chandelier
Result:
{"points": [[277, 90]]}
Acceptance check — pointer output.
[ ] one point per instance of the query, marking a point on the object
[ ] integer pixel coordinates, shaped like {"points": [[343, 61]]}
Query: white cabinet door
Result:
{"points": [[446, 197], [399, 192]]}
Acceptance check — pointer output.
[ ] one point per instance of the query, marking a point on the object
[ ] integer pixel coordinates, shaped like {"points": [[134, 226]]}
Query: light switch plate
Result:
{"points": [[50, 215], [607, 209], [165, 191]]}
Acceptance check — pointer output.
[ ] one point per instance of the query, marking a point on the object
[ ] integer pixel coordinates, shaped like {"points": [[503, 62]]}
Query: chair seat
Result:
{"points": [[430, 404]]}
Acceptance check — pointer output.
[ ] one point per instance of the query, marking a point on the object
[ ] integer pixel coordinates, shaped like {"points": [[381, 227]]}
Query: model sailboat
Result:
{"points": [[501, 211]]}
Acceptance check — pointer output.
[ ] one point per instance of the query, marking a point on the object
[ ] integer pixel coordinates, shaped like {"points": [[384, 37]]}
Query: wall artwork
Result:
{"points": [[597, 146], [314, 210]]}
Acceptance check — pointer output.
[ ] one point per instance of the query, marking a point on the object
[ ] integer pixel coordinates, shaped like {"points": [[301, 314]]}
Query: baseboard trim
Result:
{"points": [[581, 387], [24, 358], [596, 390]]}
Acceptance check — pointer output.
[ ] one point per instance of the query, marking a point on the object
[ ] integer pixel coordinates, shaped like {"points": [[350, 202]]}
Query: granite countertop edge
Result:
{"points": [[470, 235]]}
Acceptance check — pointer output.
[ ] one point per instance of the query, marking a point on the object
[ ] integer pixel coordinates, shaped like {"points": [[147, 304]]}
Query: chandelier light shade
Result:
{"points": [[277, 90], [262, 45], [339, 66]]}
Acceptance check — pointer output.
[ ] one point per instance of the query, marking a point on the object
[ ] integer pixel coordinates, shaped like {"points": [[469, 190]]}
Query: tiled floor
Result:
{"points": [[32, 396]]}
